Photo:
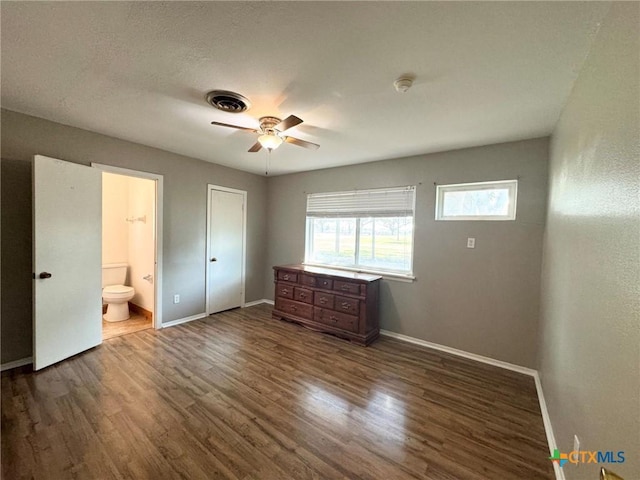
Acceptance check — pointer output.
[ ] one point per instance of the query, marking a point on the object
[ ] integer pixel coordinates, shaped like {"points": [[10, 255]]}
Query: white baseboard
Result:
{"points": [[16, 364], [551, 439], [461, 353], [258, 302], [173, 323]]}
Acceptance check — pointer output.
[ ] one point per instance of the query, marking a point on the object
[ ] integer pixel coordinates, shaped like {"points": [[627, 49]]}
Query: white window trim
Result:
{"points": [[512, 186]]}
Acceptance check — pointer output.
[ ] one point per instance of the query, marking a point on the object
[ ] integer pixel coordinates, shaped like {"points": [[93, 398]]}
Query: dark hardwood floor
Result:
{"points": [[239, 395]]}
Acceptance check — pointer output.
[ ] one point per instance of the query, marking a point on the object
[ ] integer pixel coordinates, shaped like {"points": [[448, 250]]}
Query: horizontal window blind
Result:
{"points": [[381, 202]]}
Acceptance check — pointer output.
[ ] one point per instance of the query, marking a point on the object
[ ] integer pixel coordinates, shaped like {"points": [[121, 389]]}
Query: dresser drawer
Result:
{"points": [[303, 295], [287, 276], [347, 305], [324, 283], [322, 299], [346, 287], [336, 319], [308, 280], [298, 309], [284, 290]]}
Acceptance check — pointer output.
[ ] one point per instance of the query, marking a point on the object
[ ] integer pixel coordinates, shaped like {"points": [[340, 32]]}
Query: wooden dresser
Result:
{"points": [[344, 304]]}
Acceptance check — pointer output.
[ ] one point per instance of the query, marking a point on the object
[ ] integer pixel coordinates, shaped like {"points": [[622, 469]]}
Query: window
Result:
{"points": [[477, 201], [368, 230]]}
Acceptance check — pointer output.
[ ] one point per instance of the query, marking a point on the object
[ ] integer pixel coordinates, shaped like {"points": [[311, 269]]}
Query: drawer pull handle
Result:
{"points": [[325, 283], [285, 291], [323, 300], [286, 277], [333, 318], [293, 308], [345, 306], [344, 287], [303, 295]]}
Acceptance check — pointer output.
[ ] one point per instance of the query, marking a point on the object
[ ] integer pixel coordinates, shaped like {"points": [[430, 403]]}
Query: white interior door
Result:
{"points": [[67, 244], [226, 225]]}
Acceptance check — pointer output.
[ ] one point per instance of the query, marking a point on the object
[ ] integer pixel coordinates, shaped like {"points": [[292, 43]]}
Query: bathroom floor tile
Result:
{"points": [[134, 324]]}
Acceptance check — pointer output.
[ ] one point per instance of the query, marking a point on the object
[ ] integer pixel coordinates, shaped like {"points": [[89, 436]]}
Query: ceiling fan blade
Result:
{"points": [[256, 147], [302, 143], [287, 123], [252, 130]]}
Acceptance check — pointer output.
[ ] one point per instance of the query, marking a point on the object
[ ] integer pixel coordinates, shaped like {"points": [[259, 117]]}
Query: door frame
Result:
{"points": [[157, 276], [207, 283]]}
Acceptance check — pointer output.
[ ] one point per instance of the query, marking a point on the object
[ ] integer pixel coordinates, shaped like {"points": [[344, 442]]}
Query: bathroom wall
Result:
{"points": [[141, 241], [115, 199], [130, 242]]}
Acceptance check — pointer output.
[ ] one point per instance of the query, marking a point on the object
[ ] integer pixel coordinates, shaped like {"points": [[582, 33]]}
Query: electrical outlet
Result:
{"points": [[471, 242], [176, 298]]}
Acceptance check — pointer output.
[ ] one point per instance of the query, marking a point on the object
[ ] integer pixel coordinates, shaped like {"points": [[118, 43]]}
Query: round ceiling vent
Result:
{"points": [[226, 101]]}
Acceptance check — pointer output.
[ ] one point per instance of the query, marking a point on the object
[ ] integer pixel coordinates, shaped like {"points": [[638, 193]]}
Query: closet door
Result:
{"points": [[226, 232]]}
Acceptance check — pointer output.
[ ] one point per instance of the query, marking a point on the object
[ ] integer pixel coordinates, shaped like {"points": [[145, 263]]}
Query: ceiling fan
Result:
{"points": [[271, 133]]}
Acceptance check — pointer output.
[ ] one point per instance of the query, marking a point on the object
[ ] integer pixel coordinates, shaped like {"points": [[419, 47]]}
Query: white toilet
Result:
{"points": [[115, 293]]}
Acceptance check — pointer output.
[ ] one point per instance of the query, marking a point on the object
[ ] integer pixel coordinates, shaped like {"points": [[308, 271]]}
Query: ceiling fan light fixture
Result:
{"points": [[270, 141], [271, 133]]}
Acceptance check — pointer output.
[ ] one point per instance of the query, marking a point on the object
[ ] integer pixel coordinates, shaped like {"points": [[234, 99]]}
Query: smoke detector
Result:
{"points": [[227, 101], [403, 84]]}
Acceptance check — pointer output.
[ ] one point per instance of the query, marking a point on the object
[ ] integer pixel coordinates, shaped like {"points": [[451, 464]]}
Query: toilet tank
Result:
{"points": [[114, 274]]}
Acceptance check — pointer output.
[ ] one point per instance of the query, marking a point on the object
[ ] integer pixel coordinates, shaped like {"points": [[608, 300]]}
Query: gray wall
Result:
{"points": [[590, 323], [184, 232], [483, 300]]}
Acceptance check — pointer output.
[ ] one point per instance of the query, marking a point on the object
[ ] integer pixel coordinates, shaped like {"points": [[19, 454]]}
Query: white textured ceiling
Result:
{"points": [[486, 72]]}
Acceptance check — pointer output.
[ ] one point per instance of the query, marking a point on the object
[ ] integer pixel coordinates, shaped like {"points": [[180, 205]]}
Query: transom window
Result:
{"points": [[367, 230], [477, 201]]}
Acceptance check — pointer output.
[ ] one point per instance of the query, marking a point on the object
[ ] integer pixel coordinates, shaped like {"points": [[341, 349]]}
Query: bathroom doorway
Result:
{"points": [[131, 247]]}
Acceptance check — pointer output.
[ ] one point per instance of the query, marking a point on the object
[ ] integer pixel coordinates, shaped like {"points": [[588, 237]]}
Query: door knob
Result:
{"points": [[45, 275], [214, 259]]}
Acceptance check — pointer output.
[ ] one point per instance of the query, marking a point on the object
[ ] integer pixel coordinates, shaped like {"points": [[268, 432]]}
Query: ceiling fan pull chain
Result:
{"points": [[266, 168]]}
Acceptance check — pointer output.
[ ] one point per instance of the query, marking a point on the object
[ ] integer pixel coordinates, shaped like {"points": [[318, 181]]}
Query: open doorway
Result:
{"points": [[130, 245]]}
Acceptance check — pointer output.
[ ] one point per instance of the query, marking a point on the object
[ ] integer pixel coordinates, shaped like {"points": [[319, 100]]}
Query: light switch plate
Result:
{"points": [[471, 242], [176, 298]]}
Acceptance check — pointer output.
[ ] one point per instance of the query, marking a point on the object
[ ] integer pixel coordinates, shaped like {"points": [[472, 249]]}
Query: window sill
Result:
{"points": [[397, 277], [476, 218]]}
